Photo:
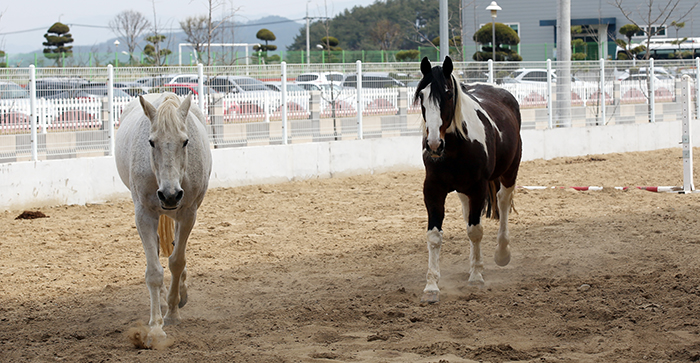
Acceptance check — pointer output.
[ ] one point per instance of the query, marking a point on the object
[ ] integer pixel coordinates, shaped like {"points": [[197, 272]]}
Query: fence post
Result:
{"points": [[358, 65], [285, 131], [652, 94], [602, 91], [490, 63], [200, 86], [549, 94], [111, 115], [686, 138], [697, 88], [33, 109]]}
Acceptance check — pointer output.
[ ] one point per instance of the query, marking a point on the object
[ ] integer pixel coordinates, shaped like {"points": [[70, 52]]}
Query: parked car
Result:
{"points": [[320, 78], [132, 88], [46, 87], [291, 87], [372, 80], [10, 90], [235, 84], [324, 88], [532, 75], [660, 73], [183, 89]]}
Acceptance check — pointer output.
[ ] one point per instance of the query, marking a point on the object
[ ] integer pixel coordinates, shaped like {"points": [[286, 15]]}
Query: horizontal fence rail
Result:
{"points": [[48, 113]]}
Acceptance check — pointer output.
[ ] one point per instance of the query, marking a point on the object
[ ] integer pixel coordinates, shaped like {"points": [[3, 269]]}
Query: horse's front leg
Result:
{"points": [[505, 198], [177, 294], [471, 211], [435, 204], [147, 226]]}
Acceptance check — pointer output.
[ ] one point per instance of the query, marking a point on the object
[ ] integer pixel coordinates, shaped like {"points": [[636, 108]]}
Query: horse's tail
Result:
{"points": [[166, 234], [492, 201]]}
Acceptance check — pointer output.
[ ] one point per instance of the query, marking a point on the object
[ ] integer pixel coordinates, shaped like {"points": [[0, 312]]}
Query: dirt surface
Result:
{"points": [[332, 270]]}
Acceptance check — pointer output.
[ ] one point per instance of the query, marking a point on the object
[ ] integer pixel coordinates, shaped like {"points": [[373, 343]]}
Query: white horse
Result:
{"points": [[163, 157]]}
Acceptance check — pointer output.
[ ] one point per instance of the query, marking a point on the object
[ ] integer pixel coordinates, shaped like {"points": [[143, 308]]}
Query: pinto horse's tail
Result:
{"points": [[166, 234], [492, 201]]}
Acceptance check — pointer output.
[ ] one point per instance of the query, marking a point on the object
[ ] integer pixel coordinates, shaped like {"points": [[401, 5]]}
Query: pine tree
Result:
{"points": [[57, 38]]}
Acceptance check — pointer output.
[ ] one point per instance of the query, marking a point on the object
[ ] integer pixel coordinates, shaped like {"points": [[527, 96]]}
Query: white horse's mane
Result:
{"points": [[168, 120]]}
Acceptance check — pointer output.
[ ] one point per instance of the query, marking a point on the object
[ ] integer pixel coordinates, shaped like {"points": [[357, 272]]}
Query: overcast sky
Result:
{"points": [[88, 19]]}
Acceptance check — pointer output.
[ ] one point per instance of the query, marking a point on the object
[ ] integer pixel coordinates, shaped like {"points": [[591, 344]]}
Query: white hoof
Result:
{"points": [[476, 279], [502, 256]]}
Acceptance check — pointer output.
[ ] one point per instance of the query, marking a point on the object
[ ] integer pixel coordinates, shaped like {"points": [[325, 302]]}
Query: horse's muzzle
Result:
{"points": [[170, 199], [435, 150]]}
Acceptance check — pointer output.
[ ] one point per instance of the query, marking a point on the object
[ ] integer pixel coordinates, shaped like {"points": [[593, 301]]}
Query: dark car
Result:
{"points": [[183, 89], [372, 80], [48, 87], [89, 91]]}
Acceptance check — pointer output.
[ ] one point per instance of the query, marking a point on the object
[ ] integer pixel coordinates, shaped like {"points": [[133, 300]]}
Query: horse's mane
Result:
{"points": [[437, 78], [168, 120]]}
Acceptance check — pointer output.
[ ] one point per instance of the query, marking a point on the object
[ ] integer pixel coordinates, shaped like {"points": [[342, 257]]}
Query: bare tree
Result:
{"points": [[196, 30], [385, 33], [648, 15], [213, 6], [129, 25]]}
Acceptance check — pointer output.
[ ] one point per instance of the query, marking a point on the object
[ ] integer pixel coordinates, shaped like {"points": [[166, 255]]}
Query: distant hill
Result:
{"points": [[243, 32]]}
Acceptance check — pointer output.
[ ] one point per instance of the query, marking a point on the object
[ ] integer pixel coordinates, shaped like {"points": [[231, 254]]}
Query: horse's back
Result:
{"points": [[494, 98]]}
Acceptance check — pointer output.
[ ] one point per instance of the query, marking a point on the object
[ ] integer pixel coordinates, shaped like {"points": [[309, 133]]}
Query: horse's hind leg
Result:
{"points": [[471, 211], [505, 199], [177, 294]]}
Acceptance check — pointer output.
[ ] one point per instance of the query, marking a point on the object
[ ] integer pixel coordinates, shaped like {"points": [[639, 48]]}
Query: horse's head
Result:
{"points": [[168, 142], [437, 95]]}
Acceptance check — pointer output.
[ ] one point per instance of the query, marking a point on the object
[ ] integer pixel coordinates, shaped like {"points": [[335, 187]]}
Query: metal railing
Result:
{"points": [[50, 113]]}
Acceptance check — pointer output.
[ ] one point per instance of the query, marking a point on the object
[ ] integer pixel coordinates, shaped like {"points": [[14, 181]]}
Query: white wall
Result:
{"points": [[25, 185]]}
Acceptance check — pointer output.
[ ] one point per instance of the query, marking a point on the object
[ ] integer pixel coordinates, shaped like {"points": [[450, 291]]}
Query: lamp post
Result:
{"points": [[308, 48], [116, 53], [494, 8]]}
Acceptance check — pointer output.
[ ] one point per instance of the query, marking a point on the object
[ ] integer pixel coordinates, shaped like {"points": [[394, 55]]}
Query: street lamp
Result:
{"points": [[308, 48], [494, 8], [116, 54]]}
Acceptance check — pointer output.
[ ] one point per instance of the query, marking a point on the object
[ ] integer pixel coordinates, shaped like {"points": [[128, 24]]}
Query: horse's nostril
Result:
{"points": [[179, 195], [161, 196]]}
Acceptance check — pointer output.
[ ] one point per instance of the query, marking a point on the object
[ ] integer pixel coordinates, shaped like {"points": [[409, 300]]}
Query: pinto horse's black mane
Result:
{"points": [[440, 85]]}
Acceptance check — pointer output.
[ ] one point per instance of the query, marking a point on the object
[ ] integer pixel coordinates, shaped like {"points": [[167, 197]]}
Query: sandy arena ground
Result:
{"points": [[332, 270]]}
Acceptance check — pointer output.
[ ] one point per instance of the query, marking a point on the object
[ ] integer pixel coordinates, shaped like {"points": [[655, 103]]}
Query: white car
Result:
{"points": [[533, 75], [321, 78]]}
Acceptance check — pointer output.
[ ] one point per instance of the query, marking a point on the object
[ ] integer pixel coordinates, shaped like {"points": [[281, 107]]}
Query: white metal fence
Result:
{"points": [[75, 116]]}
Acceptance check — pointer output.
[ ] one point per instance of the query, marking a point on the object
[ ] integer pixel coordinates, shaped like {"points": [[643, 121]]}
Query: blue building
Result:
{"points": [[600, 21]]}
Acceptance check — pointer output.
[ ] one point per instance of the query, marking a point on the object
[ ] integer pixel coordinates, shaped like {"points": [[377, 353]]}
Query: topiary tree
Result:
{"points": [[153, 56], [629, 31], [57, 38], [407, 55], [330, 43], [3, 60], [504, 36], [266, 36]]}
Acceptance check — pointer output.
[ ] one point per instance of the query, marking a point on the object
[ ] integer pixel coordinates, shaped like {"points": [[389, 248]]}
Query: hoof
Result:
{"points": [[502, 258], [476, 280], [183, 297], [171, 319], [430, 297]]}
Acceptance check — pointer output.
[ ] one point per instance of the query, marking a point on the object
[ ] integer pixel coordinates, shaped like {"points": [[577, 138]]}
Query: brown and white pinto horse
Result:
{"points": [[471, 145]]}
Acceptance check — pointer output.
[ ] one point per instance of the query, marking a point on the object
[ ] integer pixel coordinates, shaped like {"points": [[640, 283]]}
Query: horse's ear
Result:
{"points": [[184, 108], [148, 108], [425, 66], [447, 66]]}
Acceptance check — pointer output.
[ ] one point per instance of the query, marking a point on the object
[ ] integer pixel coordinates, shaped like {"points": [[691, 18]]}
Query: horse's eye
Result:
{"points": [[449, 93], [185, 143], [151, 142]]}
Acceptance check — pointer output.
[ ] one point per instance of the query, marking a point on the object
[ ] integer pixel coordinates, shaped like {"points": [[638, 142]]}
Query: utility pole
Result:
{"points": [[563, 88], [308, 46], [444, 38]]}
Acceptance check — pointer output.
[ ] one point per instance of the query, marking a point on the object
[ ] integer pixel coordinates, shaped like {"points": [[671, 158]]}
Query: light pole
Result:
{"points": [[494, 8], [308, 48], [116, 53]]}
